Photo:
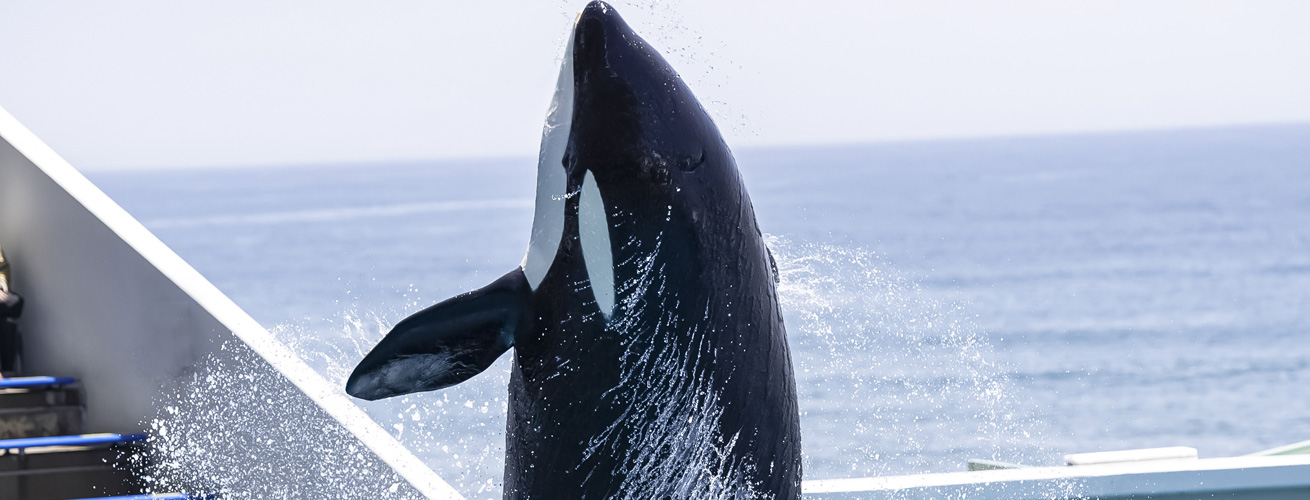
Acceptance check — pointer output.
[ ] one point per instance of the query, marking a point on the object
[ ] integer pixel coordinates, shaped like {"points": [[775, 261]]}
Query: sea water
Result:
{"points": [[1007, 299]]}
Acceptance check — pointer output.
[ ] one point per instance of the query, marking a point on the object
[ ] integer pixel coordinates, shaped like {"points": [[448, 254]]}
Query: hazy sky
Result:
{"points": [[165, 84]]}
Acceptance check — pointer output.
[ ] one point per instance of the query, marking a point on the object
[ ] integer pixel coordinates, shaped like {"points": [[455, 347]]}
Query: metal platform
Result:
{"points": [[1250, 478]]}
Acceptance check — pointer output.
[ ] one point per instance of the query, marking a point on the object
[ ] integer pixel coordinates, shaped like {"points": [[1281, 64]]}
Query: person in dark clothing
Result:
{"points": [[11, 306]]}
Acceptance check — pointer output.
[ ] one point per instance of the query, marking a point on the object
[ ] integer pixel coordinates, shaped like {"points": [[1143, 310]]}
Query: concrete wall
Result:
{"points": [[110, 304], [96, 309]]}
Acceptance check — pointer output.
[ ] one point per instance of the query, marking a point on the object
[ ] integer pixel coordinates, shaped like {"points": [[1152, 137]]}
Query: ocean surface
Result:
{"points": [[1009, 299]]}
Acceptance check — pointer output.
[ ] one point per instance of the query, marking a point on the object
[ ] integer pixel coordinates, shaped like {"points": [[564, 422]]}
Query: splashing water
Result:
{"points": [[890, 382], [458, 431], [237, 428]]}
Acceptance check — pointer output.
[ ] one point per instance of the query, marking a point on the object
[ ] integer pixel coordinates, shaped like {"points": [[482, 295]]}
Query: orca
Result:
{"points": [[650, 359]]}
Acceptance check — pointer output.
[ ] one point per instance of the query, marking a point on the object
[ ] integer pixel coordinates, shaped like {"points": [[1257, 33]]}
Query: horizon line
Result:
{"points": [[465, 160]]}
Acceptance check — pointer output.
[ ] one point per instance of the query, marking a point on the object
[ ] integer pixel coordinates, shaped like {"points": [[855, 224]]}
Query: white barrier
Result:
{"points": [[1263, 478]]}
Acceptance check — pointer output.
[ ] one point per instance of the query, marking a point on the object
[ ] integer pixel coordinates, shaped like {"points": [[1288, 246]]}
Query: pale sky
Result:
{"points": [[176, 84]]}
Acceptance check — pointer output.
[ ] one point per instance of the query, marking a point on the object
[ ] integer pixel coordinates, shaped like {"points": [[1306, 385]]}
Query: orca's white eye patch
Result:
{"points": [[548, 220], [594, 233]]}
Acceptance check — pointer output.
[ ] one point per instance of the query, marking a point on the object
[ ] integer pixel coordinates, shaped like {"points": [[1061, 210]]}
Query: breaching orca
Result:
{"points": [[650, 358]]}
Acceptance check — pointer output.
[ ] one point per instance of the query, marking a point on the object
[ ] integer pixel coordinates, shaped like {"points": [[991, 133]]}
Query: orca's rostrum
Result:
{"points": [[650, 358]]}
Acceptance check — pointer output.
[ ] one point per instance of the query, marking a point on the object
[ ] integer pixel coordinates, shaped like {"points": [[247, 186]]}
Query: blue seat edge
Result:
{"points": [[73, 440], [22, 382]]}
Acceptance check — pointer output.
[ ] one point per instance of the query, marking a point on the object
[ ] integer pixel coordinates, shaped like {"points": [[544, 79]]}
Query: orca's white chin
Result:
{"points": [[552, 181]]}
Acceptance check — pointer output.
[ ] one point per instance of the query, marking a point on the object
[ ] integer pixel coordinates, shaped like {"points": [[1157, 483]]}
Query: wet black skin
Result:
{"points": [[681, 221]]}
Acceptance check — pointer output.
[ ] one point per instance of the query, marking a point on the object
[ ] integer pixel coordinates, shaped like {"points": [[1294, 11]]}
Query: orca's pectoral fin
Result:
{"points": [[447, 343]]}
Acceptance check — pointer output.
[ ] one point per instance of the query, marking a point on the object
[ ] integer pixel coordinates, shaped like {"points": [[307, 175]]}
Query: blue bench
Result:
{"points": [[76, 440], [25, 382], [157, 496]]}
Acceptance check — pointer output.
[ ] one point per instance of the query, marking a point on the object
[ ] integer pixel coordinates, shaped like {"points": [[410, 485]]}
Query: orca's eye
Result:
{"points": [[660, 175], [691, 162], [654, 167], [567, 160]]}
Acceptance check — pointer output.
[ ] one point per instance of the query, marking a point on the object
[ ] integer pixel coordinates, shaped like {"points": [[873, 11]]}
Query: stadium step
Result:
{"points": [[44, 456], [62, 467], [40, 406]]}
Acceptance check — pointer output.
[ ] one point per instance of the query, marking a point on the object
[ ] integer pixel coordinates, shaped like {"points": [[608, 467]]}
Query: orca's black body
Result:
{"points": [[650, 358]]}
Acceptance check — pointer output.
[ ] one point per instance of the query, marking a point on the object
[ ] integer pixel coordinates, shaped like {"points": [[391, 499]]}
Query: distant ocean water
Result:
{"points": [[1013, 299]]}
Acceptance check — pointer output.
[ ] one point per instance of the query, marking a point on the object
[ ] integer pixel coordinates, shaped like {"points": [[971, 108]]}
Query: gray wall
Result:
{"points": [[96, 309]]}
